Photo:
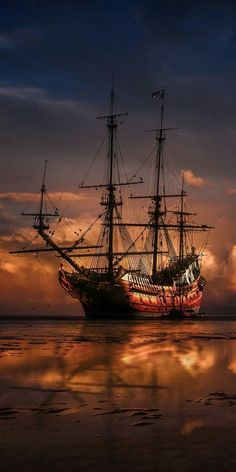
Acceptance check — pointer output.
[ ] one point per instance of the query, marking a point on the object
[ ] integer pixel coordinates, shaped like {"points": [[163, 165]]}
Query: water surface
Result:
{"points": [[144, 385]]}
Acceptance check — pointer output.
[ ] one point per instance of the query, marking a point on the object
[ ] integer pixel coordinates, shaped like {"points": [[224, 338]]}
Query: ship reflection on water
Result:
{"points": [[122, 390], [158, 365]]}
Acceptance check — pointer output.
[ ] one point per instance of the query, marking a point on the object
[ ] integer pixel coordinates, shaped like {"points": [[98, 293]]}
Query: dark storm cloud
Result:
{"points": [[87, 40], [69, 50], [187, 19], [73, 39], [35, 127]]}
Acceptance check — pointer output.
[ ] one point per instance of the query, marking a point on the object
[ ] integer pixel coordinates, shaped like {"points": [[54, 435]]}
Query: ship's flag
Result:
{"points": [[159, 94]]}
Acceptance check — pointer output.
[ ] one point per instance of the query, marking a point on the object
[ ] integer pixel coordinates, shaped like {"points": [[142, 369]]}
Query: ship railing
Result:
{"points": [[142, 282]]}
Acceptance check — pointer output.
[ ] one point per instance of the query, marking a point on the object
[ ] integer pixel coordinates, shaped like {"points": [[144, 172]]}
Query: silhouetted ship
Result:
{"points": [[157, 271]]}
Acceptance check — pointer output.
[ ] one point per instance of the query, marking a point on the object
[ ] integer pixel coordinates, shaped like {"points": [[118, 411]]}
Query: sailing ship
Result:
{"points": [[122, 279]]}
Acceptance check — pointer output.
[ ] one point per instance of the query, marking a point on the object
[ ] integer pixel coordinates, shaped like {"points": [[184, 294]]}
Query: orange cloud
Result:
{"points": [[29, 284], [34, 197], [64, 231], [230, 269], [193, 180], [210, 264], [231, 191]]}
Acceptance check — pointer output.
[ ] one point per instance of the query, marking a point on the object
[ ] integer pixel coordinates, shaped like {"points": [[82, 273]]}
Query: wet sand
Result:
{"points": [[139, 396]]}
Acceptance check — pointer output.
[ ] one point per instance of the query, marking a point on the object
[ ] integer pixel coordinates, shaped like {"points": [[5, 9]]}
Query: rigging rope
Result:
{"points": [[143, 164]]}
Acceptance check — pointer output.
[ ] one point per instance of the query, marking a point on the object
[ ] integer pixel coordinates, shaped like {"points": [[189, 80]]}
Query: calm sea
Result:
{"points": [[119, 380]]}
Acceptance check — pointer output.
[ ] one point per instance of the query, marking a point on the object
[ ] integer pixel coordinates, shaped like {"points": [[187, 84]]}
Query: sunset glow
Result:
{"points": [[49, 110]]}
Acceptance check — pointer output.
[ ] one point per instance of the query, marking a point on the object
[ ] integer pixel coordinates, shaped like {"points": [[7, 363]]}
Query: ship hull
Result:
{"points": [[123, 299]]}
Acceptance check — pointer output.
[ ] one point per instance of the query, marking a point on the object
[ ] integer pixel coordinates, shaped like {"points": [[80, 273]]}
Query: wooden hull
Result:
{"points": [[103, 299]]}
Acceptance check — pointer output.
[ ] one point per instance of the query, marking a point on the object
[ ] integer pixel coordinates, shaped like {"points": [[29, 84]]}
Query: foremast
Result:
{"points": [[110, 202]]}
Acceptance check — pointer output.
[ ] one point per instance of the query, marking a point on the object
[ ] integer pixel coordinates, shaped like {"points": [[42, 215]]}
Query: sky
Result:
{"points": [[57, 63]]}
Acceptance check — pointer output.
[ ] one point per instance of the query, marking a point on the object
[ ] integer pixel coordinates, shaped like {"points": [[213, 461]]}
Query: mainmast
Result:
{"points": [[157, 222], [112, 127], [156, 213], [181, 223]]}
